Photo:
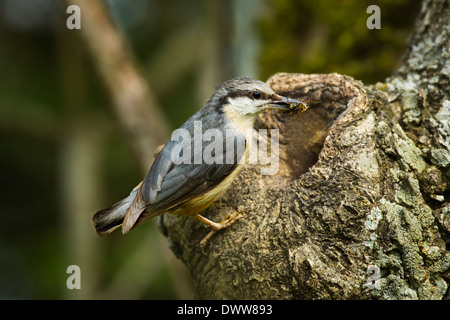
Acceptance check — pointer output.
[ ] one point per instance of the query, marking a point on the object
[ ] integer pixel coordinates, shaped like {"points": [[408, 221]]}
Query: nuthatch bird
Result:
{"points": [[189, 187]]}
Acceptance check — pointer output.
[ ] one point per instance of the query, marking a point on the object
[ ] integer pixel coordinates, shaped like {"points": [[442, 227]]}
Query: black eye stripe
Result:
{"points": [[256, 95], [244, 93]]}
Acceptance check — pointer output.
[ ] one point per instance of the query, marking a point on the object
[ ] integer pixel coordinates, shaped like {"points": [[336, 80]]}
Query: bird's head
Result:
{"points": [[247, 97]]}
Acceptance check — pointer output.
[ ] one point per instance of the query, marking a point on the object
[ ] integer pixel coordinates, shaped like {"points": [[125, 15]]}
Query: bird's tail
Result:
{"points": [[107, 220]]}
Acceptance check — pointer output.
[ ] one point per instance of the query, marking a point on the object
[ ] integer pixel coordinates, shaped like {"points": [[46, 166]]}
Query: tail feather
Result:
{"points": [[134, 212], [107, 220]]}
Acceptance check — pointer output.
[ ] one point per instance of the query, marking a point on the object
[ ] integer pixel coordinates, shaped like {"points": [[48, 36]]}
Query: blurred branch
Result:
{"points": [[246, 42], [144, 124], [81, 139], [211, 71], [80, 190], [133, 101]]}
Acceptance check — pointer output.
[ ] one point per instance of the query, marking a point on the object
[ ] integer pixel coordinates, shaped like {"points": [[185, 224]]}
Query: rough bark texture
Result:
{"points": [[363, 181]]}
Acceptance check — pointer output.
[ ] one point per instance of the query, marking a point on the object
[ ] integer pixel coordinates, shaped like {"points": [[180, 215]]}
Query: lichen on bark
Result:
{"points": [[363, 181]]}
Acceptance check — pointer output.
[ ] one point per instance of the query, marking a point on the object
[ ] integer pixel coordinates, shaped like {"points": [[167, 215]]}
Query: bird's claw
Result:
{"points": [[227, 221]]}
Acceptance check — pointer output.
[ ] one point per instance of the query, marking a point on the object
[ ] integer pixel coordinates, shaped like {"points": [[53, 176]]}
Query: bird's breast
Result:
{"points": [[238, 121]]}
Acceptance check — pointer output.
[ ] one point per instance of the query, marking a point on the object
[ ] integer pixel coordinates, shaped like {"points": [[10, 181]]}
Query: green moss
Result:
{"points": [[324, 37]]}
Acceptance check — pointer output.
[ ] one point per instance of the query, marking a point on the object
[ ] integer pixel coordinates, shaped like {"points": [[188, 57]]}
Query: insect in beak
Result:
{"points": [[289, 104]]}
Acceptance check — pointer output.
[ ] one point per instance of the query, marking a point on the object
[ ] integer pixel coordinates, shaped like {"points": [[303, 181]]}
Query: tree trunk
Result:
{"points": [[360, 206]]}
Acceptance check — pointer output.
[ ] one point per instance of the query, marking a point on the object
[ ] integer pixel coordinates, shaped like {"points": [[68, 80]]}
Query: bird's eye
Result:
{"points": [[256, 95]]}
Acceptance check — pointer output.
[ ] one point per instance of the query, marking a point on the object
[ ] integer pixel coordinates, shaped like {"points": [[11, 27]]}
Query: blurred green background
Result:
{"points": [[63, 155]]}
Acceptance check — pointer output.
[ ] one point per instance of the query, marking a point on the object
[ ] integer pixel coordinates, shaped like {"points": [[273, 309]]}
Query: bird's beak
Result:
{"points": [[284, 103]]}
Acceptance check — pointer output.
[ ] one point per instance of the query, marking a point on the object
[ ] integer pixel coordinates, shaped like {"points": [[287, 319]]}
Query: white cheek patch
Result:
{"points": [[245, 105]]}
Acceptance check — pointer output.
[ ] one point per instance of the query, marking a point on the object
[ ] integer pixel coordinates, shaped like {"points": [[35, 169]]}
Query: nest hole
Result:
{"points": [[304, 136], [301, 136]]}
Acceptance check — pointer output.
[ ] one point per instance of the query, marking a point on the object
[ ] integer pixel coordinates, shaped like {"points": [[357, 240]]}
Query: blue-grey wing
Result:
{"points": [[155, 176], [168, 184]]}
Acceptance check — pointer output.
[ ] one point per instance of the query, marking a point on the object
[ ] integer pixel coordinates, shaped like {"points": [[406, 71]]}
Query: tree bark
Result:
{"points": [[362, 187]]}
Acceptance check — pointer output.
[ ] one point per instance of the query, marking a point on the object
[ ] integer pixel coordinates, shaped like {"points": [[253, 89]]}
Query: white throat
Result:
{"points": [[242, 113]]}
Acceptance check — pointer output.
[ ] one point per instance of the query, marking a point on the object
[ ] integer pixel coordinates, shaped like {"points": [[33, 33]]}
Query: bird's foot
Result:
{"points": [[229, 219]]}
